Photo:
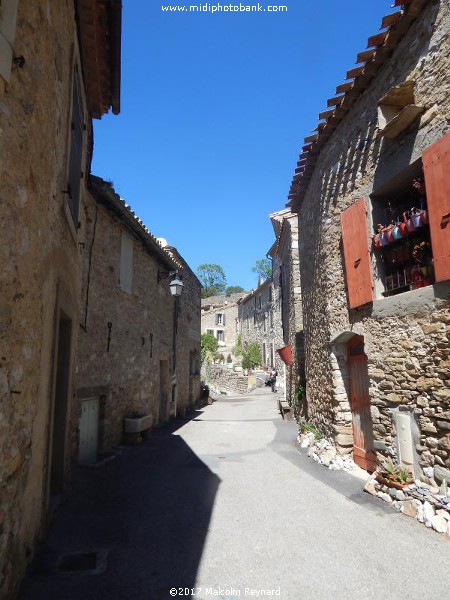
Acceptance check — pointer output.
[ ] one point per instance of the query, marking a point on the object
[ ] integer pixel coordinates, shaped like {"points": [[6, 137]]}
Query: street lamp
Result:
{"points": [[176, 285]]}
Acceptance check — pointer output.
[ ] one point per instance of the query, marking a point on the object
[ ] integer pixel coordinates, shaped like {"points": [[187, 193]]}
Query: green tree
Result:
{"points": [[237, 350], [251, 356], [234, 289], [213, 280], [208, 347], [263, 268]]}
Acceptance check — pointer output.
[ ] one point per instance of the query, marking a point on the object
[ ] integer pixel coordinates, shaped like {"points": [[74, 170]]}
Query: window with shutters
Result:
{"points": [[220, 319], [401, 244], [126, 262], [77, 127], [8, 14]]}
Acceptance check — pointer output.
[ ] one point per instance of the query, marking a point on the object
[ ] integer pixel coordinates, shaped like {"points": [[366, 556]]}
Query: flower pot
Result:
{"points": [[384, 479], [286, 354]]}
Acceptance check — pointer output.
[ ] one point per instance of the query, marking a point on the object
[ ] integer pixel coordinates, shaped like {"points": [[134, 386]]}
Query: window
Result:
{"points": [[220, 319], [210, 331], [396, 110], [402, 243], [220, 336], [265, 323], [259, 301], [76, 150], [126, 262], [8, 13]]}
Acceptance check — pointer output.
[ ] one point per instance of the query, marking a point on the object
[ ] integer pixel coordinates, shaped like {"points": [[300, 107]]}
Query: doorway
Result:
{"points": [[88, 447], [60, 404], [363, 454]]}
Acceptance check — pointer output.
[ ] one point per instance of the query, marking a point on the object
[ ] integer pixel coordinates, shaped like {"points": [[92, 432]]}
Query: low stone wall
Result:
{"points": [[224, 380]]}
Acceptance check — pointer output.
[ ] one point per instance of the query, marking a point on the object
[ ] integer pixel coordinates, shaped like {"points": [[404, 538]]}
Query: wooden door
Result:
{"points": [[87, 453], [363, 454]]}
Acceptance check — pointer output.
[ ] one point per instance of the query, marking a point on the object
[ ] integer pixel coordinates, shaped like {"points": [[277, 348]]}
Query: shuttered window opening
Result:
{"points": [[76, 149], [401, 243], [356, 254], [126, 262], [436, 166]]}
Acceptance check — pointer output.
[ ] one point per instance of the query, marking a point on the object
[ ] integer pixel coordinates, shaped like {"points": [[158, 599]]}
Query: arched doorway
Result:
{"points": [[363, 454]]}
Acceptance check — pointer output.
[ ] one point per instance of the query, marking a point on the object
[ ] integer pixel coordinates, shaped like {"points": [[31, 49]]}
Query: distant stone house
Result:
{"points": [[139, 348], [260, 323], [373, 200], [55, 76], [219, 316], [287, 306]]}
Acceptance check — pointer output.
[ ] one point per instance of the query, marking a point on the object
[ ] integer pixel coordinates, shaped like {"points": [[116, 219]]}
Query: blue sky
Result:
{"points": [[214, 110]]}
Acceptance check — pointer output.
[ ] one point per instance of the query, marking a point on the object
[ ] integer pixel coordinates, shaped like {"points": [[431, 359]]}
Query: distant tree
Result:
{"points": [[263, 268], [208, 347], [213, 280], [234, 289], [251, 356]]}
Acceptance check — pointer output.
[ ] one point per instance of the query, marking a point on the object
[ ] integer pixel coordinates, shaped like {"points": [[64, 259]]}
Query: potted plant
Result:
{"points": [[396, 476]]}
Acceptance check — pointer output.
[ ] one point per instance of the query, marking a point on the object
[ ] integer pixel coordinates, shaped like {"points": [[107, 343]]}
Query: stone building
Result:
{"points": [[373, 201], [55, 76], [220, 318], [260, 323], [139, 346], [287, 301]]}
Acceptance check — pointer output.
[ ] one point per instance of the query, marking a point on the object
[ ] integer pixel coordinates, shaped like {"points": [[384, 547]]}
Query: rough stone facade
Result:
{"points": [[405, 336], [139, 348], [260, 322], [220, 317], [288, 330], [41, 269]]}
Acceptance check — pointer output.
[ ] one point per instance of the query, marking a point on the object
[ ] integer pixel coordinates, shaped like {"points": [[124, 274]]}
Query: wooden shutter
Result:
{"points": [[216, 319], [76, 149], [223, 319], [436, 167], [356, 254]]}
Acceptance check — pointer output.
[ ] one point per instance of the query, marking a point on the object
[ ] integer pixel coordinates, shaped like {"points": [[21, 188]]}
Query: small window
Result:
{"points": [[265, 323], [397, 110], [126, 262], [210, 331], [259, 301], [220, 336]]}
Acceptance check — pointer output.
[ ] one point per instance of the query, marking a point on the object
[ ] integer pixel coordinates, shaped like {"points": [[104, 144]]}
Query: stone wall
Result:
{"points": [[406, 336], [39, 279], [125, 353], [228, 308], [260, 322], [222, 379]]}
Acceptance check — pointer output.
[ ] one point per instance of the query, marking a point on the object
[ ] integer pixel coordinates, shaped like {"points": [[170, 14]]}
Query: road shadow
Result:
{"points": [[149, 509]]}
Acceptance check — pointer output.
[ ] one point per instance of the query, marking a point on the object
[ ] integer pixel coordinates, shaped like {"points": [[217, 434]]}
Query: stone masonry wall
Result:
{"points": [[40, 257], [128, 375], [406, 336]]}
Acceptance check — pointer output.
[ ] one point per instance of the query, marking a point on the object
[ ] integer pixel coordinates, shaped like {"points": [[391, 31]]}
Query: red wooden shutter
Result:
{"points": [[436, 167], [356, 254]]}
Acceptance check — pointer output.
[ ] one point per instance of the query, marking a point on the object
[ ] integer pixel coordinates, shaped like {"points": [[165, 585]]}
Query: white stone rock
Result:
{"points": [[443, 513], [428, 471], [428, 513], [420, 516], [439, 524], [399, 495]]}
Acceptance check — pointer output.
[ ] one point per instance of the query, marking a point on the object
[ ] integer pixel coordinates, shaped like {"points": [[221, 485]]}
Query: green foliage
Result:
{"points": [[263, 268], [208, 347], [233, 289], [237, 350], [299, 393], [251, 356], [397, 473], [310, 428], [213, 280]]}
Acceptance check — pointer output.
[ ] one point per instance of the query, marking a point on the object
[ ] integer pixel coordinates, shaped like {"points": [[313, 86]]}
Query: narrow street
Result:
{"points": [[225, 502]]}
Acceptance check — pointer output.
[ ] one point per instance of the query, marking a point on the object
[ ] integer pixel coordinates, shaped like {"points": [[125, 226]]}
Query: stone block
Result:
{"points": [[425, 384], [440, 474], [409, 508], [394, 399], [344, 439]]}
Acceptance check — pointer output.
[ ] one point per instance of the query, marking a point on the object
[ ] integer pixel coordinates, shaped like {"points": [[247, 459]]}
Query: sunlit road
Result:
{"points": [[223, 505]]}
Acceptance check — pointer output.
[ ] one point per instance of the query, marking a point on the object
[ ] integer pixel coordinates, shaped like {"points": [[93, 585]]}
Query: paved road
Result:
{"points": [[225, 504]]}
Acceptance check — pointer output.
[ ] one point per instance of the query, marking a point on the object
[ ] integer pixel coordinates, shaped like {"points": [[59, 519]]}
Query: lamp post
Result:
{"points": [[176, 287]]}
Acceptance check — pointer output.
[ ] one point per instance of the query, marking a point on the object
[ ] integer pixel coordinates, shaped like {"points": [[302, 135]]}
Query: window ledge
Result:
{"points": [[420, 301]]}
